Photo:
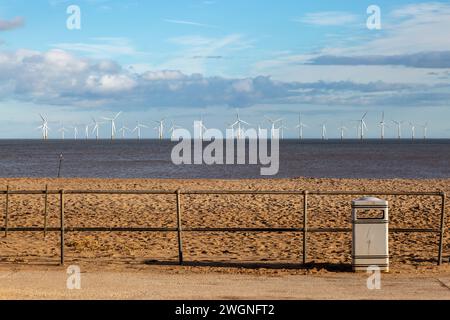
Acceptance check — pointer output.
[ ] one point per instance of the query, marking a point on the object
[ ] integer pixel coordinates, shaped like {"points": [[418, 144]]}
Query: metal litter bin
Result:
{"points": [[370, 234]]}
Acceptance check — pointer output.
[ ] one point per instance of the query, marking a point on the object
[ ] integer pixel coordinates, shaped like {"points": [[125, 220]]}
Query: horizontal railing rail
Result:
{"points": [[180, 229]]}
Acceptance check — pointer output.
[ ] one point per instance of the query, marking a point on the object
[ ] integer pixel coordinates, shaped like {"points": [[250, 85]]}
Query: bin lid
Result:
{"points": [[369, 201]]}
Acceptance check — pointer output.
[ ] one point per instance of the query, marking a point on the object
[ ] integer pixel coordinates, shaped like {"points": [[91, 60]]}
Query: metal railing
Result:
{"points": [[62, 229]]}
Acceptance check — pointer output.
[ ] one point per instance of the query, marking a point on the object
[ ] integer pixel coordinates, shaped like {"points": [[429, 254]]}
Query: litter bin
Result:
{"points": [[370, 234]]}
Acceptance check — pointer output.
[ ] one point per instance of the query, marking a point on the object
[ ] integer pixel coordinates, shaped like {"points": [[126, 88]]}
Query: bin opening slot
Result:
{"points": [[370, 214]]}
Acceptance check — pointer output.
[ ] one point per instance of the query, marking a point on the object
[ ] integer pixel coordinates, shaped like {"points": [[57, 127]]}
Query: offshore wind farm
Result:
{"points": [[166, 129], [367, 145]]}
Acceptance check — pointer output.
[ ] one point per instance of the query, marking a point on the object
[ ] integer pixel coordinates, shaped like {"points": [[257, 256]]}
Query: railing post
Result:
{"points": [[305, 226], [62, 225], [179, 228], [442, 231], [45, 210], [6, 211]]}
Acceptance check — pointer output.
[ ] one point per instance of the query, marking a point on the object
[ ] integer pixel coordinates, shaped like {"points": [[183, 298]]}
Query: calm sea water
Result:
{"points": [[151, 159]]}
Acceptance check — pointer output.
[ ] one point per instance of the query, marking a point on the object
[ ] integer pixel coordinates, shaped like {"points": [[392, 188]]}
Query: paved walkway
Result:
{"points": [[52, 284]]}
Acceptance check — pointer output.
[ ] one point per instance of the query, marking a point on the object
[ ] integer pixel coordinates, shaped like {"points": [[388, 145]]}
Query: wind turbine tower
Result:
{"points": [[200, 126], [239, 122], [425, 130], [273, 123], [282, 128], [63, 131], [160, 128], [260, 130], [172, 130], [138, 128], [399, 128], [96, 127], [123, 130], [342, 129], [86, 131], [383, 126], [362, 127], [324, 131], [44, 127], [75, 132], [300, 127], [413, 130], [113, 124]]}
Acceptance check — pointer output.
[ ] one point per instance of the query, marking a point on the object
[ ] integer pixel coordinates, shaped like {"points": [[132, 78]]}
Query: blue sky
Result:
{"points": [[181, 59]]}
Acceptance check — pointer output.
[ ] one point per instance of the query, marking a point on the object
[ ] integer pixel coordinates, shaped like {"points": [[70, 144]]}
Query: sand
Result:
{"points": [[217, 252], [153, 284]]}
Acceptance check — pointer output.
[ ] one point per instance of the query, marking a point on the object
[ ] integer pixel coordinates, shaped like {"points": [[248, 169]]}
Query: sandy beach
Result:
{"points": [[411, 252]]}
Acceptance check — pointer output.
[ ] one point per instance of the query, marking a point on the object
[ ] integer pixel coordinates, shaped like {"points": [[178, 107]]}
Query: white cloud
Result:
{"points": [[245, 85], [407, 30], [59, 78], [192, 46], [106, 47], [110, 83], [189, 23], [328, 18], [164, 75]]}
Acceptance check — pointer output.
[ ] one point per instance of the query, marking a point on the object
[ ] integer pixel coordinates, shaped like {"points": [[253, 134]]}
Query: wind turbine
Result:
{"points": [[172, 130], [300, 127], [413, 130], [260, 129], [160, 128], [282, 128], [201, 127], [86, 131], [399, 128], [425, 130], [75, 132], [137, 129], [63, 130], [273, 123], [238, 123], [44, 127], [357, 127], [362, 127], [342, 128], [123, 130], [383, 125], [324, 131], [96, 127], [113, 124]]}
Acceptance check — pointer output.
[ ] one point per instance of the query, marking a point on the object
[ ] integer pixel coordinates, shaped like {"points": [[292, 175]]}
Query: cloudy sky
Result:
{"points": [[183, 59]]}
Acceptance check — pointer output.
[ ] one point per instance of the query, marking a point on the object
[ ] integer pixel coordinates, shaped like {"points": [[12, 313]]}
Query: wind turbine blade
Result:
{"points": [[117, 115], [365, 126], [364, 116]]}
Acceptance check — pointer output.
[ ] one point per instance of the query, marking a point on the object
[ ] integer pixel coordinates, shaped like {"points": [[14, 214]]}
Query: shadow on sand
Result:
{"points": [[256, 265]]}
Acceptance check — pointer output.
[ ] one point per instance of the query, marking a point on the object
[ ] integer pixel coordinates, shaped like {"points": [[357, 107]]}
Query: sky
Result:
{"points": [[183, 60]]}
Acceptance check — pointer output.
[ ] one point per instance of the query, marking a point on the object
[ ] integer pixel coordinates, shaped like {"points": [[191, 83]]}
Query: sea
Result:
{"points": [[421, 159]]}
